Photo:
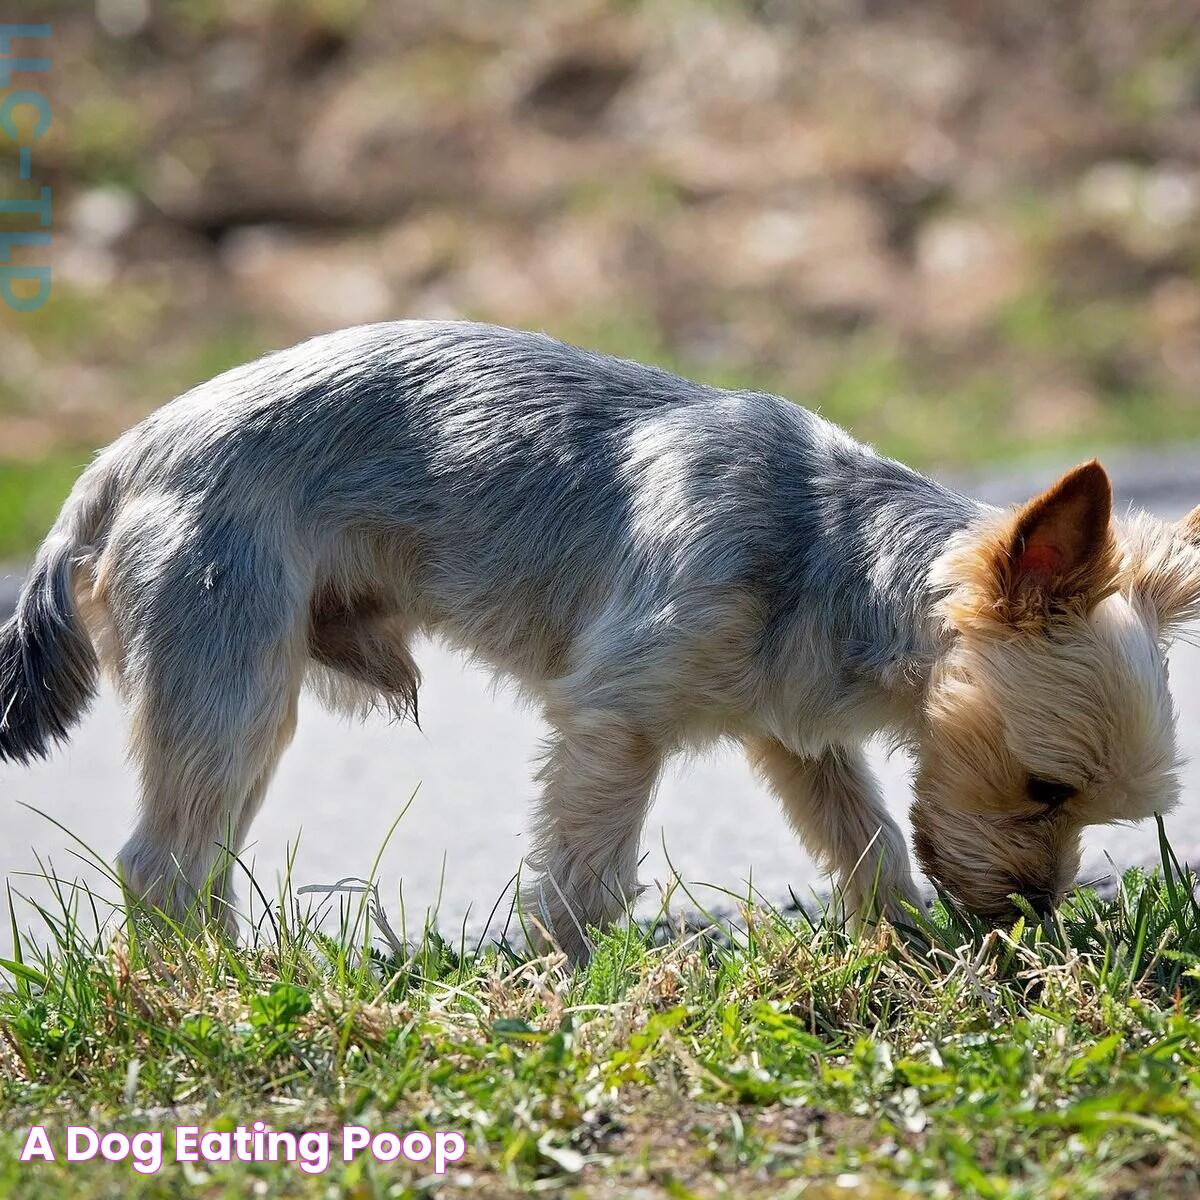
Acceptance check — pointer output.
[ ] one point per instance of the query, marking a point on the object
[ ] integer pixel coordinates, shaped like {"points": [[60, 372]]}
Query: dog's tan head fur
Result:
{"points": [[1050, 711]]}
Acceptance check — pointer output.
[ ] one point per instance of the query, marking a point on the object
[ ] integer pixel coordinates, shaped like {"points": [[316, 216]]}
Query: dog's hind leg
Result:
{"points": [[213, 680], [203, 774], [256, 794], [597, 782], [833, 802]]}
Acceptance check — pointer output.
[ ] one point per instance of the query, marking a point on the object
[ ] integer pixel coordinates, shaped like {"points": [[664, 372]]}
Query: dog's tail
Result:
{"points": [[48, 666]]}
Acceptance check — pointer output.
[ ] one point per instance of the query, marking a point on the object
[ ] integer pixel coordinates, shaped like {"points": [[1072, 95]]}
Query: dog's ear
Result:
{"points": [[1164, 565], [1189, 527], [1055, 554], [1060, 548]]}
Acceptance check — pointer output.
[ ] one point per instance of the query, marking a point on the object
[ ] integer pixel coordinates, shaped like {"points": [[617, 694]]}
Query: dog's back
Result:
{"points": [[500, 485], [623, 542], [517, 494]]}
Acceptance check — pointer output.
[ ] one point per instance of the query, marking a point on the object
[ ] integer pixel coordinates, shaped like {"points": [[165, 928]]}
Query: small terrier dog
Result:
{"points": [[658, 564]]}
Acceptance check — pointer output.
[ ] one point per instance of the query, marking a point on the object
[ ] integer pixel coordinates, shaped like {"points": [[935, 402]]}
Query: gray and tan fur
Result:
{"points": [[658, 564]]}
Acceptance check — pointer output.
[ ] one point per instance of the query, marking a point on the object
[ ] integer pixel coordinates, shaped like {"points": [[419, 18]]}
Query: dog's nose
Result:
{"points": [[1042, 902]]}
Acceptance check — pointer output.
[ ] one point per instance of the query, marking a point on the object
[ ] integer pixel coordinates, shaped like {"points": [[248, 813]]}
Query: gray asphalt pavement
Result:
{"points": [[341, 785]]}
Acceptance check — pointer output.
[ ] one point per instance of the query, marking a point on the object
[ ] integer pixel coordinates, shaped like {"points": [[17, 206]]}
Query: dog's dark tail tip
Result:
{"points": [[48, 668]]}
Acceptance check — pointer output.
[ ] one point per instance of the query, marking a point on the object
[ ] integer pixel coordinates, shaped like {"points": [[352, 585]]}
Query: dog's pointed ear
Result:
{"points": [[1060, 547], [1189, 527], [1164, 565], [1056, 554]]}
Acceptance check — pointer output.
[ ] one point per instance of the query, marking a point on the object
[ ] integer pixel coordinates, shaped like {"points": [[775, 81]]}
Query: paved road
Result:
{"points": [[341, 785]]}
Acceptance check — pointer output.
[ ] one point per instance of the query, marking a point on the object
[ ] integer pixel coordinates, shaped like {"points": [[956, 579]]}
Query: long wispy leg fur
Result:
{"points": [[212, 675], [834, 803], [597, 782]]}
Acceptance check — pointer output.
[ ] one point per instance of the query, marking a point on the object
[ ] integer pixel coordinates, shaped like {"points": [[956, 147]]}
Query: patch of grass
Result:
{"points": [[210, 16], [1043, 323], [1159, 83], [646, 194], [764, 1055]]}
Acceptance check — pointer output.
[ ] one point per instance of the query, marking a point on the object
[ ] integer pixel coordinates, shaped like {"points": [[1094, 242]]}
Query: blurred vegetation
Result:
{"points": [[965, 230]]}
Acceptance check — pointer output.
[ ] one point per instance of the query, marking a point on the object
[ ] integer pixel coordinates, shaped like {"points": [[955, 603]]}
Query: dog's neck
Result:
{"points": [[879, 528]]}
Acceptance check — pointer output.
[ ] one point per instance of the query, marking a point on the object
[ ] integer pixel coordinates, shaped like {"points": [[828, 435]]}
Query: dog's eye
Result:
{"points": [[1048, 792]]}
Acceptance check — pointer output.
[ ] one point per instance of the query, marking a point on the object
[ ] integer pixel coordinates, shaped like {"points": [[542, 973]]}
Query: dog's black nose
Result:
{"points": [[1042, 902]]}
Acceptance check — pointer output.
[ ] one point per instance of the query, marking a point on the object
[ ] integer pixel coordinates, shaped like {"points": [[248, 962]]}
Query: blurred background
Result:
{"points": [[967, 229]]}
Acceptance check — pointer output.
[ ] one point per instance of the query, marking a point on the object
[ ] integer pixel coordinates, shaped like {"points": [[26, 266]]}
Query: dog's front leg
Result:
{"points": [[597, 781], [833, 802]]}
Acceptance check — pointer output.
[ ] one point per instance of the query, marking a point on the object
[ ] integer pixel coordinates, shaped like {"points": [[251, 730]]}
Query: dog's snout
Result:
{"points": [[1041, 900]]}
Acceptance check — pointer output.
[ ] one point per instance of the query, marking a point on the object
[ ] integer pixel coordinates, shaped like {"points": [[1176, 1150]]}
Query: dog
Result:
{"points": [[656, 563]]}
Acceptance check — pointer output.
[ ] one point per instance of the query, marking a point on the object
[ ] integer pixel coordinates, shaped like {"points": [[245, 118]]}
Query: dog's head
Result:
{"points": [[1050, 709]]}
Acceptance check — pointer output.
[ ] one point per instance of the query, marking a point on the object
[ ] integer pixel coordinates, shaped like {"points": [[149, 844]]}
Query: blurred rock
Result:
{"points": [[233, 68], [842, 263], [1087, 262], [372, 152], [1055, 409], [97, 220], [571, 93], [421, 249], [826, 250], [86, 267], [103, 215], [123, 18], [1174, 324], [1175, 306], [1151, 209]]}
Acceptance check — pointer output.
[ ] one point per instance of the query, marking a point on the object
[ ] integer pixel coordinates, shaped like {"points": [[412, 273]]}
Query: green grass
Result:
{"points": [[763, 1055]]}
